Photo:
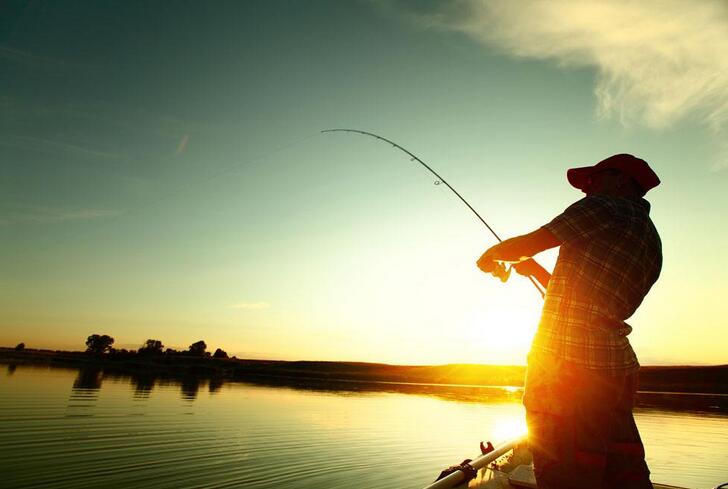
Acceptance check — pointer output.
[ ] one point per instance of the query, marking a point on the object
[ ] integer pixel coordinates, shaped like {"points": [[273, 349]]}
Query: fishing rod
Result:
{"points": [[502, 274]]}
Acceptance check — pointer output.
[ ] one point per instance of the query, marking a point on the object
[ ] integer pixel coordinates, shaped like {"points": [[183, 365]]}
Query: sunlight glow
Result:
{"points": [[508, 428], [502, 335]]}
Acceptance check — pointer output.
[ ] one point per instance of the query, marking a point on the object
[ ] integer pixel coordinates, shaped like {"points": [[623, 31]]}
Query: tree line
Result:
{"points": [[102, 345]]}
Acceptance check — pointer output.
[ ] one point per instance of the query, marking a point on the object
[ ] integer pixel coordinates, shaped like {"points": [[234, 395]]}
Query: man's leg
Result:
{"points": [[556, 460], [626, 466], [568, 442], [595, 444]]}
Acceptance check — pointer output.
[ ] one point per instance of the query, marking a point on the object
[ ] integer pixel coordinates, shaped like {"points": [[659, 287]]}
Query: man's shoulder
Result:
{"points": [[619, 205], [593, 206]]}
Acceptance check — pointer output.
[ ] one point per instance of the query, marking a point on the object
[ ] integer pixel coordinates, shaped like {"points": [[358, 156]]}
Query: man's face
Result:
{"points": [[604, 182]]}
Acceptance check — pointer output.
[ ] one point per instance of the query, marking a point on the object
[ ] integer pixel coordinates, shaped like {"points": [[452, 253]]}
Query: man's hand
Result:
{"points": [[487, 261], [492, 262]]}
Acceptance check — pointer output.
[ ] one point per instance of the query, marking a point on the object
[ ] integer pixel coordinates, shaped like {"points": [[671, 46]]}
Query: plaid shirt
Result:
{"points": [[610, 256]]}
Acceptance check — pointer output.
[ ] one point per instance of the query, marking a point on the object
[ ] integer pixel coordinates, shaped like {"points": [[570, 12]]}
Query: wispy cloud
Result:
{"points": [[250, 305], [91, 128], [182, 146], [133, 119], [44, 145], [48, 215], [657, 62], [29, 59]]}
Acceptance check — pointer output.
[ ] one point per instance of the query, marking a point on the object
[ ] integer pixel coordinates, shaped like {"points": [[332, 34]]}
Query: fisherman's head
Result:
{"points": [[622, 175]]}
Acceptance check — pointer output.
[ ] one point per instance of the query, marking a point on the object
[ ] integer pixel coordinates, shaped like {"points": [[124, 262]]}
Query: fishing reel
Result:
{"points": [[501, 271]]}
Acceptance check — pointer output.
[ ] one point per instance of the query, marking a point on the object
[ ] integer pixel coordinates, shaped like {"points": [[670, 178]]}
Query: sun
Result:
{"points": [[509, 427], [502, 336]]}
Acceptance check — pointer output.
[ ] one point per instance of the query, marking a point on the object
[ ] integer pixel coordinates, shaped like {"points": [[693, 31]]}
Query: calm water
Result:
{"points": [[70, 428]]}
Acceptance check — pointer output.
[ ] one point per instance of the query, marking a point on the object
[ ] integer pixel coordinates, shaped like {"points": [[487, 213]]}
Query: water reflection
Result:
{"points": [[11, 369], [85, 392], [87, 381], [377, 434], [189, 387], [143, 385], [215, 385], [694, 402], [457, 393], [488, 394]]}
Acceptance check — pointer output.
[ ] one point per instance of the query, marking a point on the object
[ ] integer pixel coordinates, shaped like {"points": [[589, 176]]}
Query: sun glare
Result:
{"points": [[502, 336], [508, 428]]}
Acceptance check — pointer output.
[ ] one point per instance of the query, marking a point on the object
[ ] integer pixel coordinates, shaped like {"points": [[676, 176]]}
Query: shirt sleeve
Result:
{"points": [[584, 219]]}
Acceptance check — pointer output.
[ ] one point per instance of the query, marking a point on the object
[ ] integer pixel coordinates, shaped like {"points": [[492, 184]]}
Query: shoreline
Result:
{"points": [[673, 388], [654, 380]]}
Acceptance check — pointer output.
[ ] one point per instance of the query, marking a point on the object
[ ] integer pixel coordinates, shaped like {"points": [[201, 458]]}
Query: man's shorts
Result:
{"points": [[581, 429]]}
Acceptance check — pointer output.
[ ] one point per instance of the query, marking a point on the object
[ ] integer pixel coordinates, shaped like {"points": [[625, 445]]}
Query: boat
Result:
{"points": [[507, 466]]}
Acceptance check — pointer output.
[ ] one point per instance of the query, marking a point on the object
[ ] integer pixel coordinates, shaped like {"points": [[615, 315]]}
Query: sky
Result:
{"points": [[163, 174]]}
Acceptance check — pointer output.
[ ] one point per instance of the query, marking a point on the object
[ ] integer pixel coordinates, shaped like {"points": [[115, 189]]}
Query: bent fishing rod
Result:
{"points": [[439, 181]]}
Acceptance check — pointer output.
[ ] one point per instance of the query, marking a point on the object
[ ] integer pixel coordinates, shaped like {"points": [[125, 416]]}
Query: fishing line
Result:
{"points": [[439, 181]]}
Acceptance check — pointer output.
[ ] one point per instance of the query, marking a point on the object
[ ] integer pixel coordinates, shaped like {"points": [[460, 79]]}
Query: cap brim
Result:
{"points": [[578, 177]]}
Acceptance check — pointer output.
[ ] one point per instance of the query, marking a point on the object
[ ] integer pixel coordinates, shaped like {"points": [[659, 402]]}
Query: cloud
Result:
{"points": [[182, 146], [657, 62], [47, 215], [91, 128], [30, 143], [28, 59], [251, 305]]}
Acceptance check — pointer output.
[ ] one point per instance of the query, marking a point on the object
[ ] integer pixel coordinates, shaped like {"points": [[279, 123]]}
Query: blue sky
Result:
{"points": [[163, 174]]}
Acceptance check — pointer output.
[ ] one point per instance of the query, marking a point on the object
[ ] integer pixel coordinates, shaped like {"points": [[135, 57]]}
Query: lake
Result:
{"points": [[84, 428]]}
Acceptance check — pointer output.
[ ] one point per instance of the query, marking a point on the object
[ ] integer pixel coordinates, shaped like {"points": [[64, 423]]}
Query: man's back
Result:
{"points": [[610, 257]]}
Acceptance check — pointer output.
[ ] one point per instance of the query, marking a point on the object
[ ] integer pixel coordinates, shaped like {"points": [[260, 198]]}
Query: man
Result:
{"points": [[581, 375]]}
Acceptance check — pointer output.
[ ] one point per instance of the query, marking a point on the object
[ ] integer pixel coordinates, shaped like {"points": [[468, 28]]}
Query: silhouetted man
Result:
{"points": [[582, 370]]}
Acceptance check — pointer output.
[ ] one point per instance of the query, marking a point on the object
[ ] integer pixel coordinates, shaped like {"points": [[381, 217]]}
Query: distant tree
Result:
{"points": [[219, 353], [99, 343], [170, 351], [20, 347], [151, 347], [121, 353], [198, 349]]}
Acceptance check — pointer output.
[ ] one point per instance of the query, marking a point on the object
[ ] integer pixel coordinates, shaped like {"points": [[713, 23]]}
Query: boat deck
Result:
{"points": [[520, 478]]}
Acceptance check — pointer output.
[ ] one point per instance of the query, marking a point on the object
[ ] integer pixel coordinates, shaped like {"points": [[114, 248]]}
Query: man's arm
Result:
{"points": [[520, 249]]}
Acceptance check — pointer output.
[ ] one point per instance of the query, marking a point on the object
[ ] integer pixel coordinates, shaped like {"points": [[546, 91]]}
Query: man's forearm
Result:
{"points": [[525, 246], [541, 274], [519, 249]]}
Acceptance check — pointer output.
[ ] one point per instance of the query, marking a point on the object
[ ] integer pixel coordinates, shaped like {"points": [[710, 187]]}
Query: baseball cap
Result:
{"points": [[628, 164]]}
